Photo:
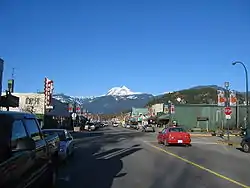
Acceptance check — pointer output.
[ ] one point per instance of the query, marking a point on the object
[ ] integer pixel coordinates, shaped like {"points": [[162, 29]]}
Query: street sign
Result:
{"points": [[228, 111], [73, 116], [228, 116]]}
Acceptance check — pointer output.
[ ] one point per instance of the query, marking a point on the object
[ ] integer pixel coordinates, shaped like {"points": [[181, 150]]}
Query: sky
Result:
{"points": [[153, 46]]}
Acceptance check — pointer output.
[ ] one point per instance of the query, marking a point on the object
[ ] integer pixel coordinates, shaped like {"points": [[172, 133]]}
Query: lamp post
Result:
{"points": [[246, 97]]}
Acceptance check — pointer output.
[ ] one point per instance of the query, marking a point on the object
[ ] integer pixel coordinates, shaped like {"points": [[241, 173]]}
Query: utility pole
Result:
{"points": [[246, 96]]}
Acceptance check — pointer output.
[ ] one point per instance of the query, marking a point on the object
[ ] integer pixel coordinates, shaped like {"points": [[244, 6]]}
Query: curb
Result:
{"points": [[228, 143], [200, 135]]}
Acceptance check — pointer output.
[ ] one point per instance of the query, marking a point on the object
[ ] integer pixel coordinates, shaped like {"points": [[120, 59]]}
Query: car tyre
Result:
{"points": [[245, 147]]}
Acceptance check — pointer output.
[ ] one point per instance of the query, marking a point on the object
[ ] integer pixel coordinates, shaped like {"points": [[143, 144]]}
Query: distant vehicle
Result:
{"points": [[90, 126], [27, 159], [115, 124], [66, 142], [134, 126], [147, 128], [174, 135]]}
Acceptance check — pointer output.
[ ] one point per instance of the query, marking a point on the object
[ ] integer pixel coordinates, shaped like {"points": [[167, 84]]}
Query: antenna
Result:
{"points": [[13, 73]]}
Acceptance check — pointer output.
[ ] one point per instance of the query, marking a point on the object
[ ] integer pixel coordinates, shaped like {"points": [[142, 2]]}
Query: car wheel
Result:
{"points": [[245, 147]]}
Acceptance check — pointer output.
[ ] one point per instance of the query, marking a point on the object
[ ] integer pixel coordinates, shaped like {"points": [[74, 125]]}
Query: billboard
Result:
{"points": [[30, 102], [156, 108]]}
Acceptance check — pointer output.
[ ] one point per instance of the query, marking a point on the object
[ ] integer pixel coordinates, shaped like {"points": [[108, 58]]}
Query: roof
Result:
{"points": [[54, 130], [164, 116], [59, 109], [17, 114]]}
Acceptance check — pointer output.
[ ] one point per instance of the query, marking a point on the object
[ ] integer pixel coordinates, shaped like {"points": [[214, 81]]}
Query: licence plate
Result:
{"points": [[180, 141]]}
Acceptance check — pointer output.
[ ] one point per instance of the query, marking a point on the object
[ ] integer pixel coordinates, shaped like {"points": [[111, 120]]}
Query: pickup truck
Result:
{"points": [[26, 159]]}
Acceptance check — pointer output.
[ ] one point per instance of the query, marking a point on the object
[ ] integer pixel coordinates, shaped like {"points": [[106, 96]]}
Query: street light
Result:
{"points": [[246, 97]]}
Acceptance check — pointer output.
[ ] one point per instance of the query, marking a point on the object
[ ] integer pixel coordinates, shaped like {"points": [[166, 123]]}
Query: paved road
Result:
{"points": [[122, 158]]}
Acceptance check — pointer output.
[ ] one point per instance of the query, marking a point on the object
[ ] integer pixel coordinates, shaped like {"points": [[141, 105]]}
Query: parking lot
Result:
{"points": [[118, 157]]}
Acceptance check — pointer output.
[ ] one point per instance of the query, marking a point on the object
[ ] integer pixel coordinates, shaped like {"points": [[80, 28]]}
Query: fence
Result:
{"points": [[187, 115]]}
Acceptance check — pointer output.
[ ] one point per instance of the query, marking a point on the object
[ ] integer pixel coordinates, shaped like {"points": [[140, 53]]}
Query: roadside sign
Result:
{"points": [[228, 116], [228, 111], [74, 116]]}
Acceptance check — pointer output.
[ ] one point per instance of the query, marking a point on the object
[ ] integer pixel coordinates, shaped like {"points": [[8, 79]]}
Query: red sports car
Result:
{"points": [[174, 135]]}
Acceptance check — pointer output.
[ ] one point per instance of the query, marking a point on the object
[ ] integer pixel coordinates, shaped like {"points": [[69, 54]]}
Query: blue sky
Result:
{"points": [[88, 47]]}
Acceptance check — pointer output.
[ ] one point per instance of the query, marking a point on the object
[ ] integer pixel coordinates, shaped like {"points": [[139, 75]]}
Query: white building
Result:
{"points": [[156, 108]]}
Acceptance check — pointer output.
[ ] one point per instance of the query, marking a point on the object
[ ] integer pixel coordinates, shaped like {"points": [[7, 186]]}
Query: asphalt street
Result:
{"points": [[122, 158]]}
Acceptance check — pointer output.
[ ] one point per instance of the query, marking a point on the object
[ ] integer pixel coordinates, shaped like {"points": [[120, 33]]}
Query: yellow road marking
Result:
{"points": [[199, 166]]}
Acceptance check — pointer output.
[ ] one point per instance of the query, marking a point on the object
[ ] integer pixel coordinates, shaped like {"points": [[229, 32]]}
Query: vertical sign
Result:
{"points": [[221, 98], [233, 98], [48, 91]]}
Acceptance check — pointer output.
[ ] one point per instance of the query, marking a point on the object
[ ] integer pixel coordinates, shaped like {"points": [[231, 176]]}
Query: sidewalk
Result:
{"points": [[233, 141]]}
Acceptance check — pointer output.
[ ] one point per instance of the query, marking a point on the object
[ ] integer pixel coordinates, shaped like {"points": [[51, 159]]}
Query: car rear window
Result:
{"points": [[176, 130], [61, 134]]}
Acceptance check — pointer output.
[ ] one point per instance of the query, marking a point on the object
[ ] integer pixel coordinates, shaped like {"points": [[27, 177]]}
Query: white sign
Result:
{"points": [[73, 116], [30, 102], [228, 116]]}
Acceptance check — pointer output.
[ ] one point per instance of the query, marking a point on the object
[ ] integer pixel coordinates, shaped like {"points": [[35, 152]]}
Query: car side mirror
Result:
{"points": [[26, 144]]}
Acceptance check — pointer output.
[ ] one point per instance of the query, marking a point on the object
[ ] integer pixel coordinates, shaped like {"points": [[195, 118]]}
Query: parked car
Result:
{"points": [[174, 135], [90, 126], [115, 124], [245, 144], [127, 126], [26, 157], [148, 127], [66, 141], [133, 126]]}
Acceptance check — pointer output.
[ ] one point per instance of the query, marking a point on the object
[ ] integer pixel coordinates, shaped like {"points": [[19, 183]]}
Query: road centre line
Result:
{"points": [[198, 166]]}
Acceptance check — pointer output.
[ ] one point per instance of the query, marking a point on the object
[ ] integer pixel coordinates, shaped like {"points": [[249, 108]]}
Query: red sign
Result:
{"points": [[228, 111]]}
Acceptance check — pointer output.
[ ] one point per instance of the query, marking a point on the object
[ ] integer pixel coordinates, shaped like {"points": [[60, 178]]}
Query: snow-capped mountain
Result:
{"points": [[121, 91], [116, 100]]}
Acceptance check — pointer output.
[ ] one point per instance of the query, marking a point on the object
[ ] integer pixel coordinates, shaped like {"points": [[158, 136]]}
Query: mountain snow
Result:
{"points": [[121, 91]]}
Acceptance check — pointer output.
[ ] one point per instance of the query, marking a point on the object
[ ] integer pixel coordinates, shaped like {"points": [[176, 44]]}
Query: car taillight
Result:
{"points": [[187, 136]]}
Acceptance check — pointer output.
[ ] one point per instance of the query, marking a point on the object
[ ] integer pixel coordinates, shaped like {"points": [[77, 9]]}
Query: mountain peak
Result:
{"points": [[120, 91]]}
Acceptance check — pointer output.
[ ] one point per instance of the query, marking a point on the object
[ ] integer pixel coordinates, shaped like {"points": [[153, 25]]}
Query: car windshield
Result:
{"points": [[61, 134], [176, 130]]}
